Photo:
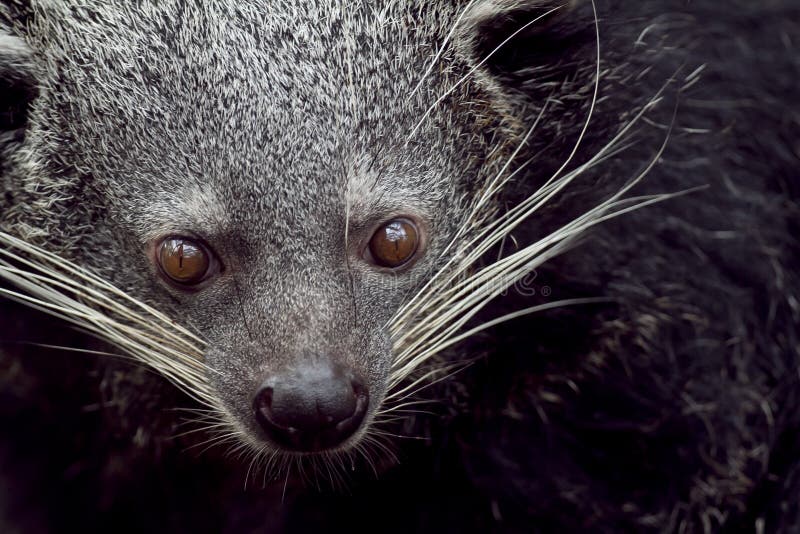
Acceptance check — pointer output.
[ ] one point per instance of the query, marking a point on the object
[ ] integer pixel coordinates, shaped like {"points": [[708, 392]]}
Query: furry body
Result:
{"points": [[673, 406]]}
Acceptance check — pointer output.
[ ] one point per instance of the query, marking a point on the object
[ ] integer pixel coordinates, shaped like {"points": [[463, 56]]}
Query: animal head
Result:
{"points": [[302, 191]]}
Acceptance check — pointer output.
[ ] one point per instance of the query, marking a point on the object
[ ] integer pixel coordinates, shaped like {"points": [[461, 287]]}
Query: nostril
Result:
{"points": [[262, 403], [312, 407]]}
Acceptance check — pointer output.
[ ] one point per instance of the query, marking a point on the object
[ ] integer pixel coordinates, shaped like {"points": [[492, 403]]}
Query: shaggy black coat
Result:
{"points": [[672, 406]]}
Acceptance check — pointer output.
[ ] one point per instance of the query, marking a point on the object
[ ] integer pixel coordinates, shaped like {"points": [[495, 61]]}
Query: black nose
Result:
{"points": [[311, 407]]}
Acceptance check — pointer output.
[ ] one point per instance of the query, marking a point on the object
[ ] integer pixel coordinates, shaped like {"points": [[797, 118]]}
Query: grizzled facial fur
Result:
{"points": [[251, 133]]}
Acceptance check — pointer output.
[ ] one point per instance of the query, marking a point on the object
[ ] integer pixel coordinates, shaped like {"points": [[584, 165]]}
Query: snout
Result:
{"points": [[311, 407]]}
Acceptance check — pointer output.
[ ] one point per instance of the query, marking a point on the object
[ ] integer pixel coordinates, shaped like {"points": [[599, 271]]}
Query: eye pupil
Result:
{"points": [[183, 261], [394, 243]]}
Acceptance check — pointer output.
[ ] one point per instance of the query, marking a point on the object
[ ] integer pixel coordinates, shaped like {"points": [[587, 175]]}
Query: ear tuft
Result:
{"points": [[511, 37], [17, 83]]}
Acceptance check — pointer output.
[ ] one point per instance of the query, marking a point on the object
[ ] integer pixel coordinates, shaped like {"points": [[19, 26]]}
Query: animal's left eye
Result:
{"points": [[184, 261], [395, 243]]}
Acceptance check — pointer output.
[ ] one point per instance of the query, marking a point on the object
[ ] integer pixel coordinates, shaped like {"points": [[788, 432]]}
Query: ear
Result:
{"points": [[18, 88], [530, 42]]}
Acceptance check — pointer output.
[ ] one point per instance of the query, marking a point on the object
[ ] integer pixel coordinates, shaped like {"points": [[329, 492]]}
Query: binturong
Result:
{"points": [[488, 265]]}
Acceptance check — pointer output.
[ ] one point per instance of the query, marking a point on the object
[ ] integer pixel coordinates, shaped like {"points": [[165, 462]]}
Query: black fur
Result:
{"points": [[674, 406]]}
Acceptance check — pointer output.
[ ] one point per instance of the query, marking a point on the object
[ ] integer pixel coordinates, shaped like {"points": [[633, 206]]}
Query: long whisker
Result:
{"points": [[62, 289], [432, 320]]}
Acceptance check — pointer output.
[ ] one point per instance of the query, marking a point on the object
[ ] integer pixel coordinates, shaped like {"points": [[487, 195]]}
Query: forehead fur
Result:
{"points": [[284, 65], [277, 110], [252, 103]]}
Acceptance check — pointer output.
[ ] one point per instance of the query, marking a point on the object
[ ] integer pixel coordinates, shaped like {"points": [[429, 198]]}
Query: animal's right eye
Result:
{"points": [[395, 243], [185, 261]]}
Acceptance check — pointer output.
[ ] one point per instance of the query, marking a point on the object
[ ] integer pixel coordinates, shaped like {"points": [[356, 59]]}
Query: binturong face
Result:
{"points": [[279, 179]]}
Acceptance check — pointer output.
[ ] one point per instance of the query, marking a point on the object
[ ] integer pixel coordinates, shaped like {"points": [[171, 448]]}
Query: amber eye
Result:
{"points": [[394, 243], [183, 260]]}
